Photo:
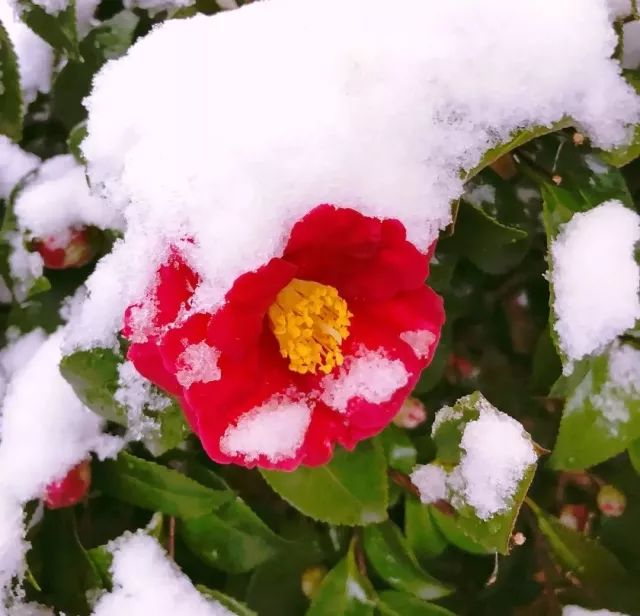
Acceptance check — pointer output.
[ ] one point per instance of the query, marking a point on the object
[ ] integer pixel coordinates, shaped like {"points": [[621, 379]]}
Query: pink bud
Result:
{"points": [[411, 414], [611, 501], [76, 251], [71, 489]]}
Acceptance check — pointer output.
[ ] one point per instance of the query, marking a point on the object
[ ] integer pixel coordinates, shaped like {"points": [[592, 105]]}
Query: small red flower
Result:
{"points": [[70, 490], [76, 251], [319, 346]]}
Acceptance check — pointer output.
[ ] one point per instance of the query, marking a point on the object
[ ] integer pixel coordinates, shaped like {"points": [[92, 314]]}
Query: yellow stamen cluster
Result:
{"points": [[310, 321]]}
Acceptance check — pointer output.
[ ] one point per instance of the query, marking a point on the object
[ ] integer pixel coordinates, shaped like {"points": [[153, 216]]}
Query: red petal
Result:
{"points": [[364, 258], [236, 328]]}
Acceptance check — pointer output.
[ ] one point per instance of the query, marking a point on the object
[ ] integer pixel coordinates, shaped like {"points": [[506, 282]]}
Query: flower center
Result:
{"points": [[310, 321]]}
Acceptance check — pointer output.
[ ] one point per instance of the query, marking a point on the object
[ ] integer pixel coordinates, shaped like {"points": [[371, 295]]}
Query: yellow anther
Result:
{"points": [[310, 321]]}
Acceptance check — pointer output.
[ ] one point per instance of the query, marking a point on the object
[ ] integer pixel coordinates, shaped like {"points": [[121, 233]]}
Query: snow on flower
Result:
{"points": [[145, 581], [306, 352], [496, 454], [57, 200], [596, 279], [336, 124]]}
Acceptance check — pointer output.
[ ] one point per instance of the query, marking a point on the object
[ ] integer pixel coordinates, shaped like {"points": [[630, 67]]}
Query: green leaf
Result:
{"points": [[67, 571], [10, 92], [598, 570], [623, 155], [39, 285], [344, 591], [75, 139], [394, 603], [60, 30], [453, 532], [93, 375], [600, 418], [350, 490], [155, 487], [423, 536], [634, 455], [232, 538], [233, 605], [518, 139], [101, 560], [394, 562], [109, 40], [400, 452]]}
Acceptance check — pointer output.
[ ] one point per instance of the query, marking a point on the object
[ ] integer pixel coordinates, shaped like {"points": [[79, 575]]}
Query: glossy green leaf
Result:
{"points": [[109, 40], [344, 591], [400, 452], [600, 419], [394, 603], [598, 570], [232, 538], [423, 536], [155, 487], [59, 30], [75, 139], [518, 139], [393, 561], [454, 534], [10, 91], [93, 375], [233, 605], [67, 573], [634, 455], [350, 490]]}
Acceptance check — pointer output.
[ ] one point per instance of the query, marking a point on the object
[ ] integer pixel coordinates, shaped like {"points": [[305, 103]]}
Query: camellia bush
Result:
{"points": [[319, 307]]}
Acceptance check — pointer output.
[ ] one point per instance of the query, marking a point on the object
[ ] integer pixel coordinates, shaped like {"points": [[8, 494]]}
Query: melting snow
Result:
{"points": [[420, 341], [199, 364]]}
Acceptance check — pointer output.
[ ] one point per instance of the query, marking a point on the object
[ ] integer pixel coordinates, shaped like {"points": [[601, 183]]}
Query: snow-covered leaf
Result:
{"points": [[484, 465], [344, 591], [59, 30], [10, 94], [601, 416], [351, 489], [393, 561]]}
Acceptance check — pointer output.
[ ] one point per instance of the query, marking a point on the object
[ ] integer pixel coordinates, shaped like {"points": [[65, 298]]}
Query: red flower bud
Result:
{"points": [[76, 252], [575, 517], [461, 369], [611, 501], [70, 490], [411, 414]]}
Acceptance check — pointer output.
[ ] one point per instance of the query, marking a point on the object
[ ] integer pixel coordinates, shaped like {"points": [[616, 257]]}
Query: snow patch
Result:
{"points": [[145, 581], [275, 430], [198, 364], [576, 610], [420, 341], [431, 481], [369, 375], [596, 279], [15, 163]]}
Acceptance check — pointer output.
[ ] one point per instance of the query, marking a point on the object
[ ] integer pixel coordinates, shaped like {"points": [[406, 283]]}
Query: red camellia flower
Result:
{"points": [[76, 251], [319, 346], [70, 490]]}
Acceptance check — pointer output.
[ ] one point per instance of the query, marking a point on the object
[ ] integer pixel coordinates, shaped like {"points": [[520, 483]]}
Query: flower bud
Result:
{"points": [[575, 517], [611, 501], [311, 579], [77, 250], [411, 414], [70, 490], [460, 369]]}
